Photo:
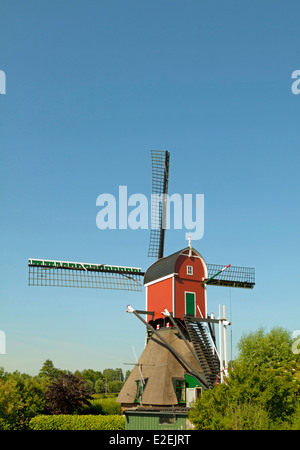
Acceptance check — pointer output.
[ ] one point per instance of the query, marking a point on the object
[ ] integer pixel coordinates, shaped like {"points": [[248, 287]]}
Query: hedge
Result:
{"points": [[77, 422]]}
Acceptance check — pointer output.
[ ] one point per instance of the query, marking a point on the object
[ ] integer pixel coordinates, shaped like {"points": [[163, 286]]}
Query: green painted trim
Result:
{"points": [[191, 381], [81, 266]]}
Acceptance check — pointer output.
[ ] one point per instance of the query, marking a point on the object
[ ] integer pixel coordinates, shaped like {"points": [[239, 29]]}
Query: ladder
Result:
{"points": [[206, 356]]}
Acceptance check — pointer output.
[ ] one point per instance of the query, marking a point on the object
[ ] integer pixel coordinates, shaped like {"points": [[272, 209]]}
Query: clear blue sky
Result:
{"points": [[93, 86]]}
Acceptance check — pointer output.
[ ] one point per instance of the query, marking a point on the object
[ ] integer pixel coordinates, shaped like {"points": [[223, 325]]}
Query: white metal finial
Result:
{"points": [[190, 246]]}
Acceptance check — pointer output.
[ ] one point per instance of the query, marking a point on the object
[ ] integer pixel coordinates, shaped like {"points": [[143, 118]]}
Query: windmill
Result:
{"points": [[46, 272], [175, 300]]}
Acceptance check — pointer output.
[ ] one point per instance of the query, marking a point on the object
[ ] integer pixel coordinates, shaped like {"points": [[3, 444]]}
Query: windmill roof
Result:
{"points": [[164, 266]]}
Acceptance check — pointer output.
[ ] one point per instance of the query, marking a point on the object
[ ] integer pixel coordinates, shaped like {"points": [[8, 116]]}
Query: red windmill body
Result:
{"points": [[175, 283]]}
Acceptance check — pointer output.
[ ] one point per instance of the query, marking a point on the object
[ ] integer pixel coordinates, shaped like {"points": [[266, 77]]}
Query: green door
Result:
{"points": [[190, 303]]}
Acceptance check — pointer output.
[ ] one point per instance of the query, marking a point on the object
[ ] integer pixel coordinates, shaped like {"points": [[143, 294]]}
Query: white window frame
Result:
{"points": [[189, 268]]}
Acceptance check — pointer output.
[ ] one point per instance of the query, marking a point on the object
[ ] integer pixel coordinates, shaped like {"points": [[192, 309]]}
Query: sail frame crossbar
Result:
{"points": [[234, 276]]}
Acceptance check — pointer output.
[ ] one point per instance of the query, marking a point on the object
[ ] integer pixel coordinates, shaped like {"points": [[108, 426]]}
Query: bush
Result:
{"points": [[245, 416], [295, 423], [74, 422], [104, 406]]}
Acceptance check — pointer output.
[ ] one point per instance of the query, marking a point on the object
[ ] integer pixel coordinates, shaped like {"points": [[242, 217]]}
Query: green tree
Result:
{"points": [[113, 374], [262, 391], [118, 375], [271, 349], [49, 371], [99, 386], [3, 374], [114, 386], [89, 374], [10, 405], [90, 385], [108, 374], [268, 394], [20, 400]]}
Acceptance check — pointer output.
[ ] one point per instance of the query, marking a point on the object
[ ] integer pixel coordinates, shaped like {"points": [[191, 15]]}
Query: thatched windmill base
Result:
{"points": [[156, 394]]}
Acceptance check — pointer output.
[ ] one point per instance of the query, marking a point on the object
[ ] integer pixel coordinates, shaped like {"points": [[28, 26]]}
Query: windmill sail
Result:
{"points": [[83, 275], [241, 277], [160, 179]]}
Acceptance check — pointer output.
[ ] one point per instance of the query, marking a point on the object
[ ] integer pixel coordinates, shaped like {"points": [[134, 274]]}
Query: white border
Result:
{"points": [[160, 279]]}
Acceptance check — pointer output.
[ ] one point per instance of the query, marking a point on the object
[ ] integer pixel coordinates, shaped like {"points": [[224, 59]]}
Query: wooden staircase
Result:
{"points": [[208, 360]]}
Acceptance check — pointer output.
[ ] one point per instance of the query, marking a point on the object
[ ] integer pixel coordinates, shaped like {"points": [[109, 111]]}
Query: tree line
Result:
{"points": [[54, 391], [107, 381], [261, 392]]}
